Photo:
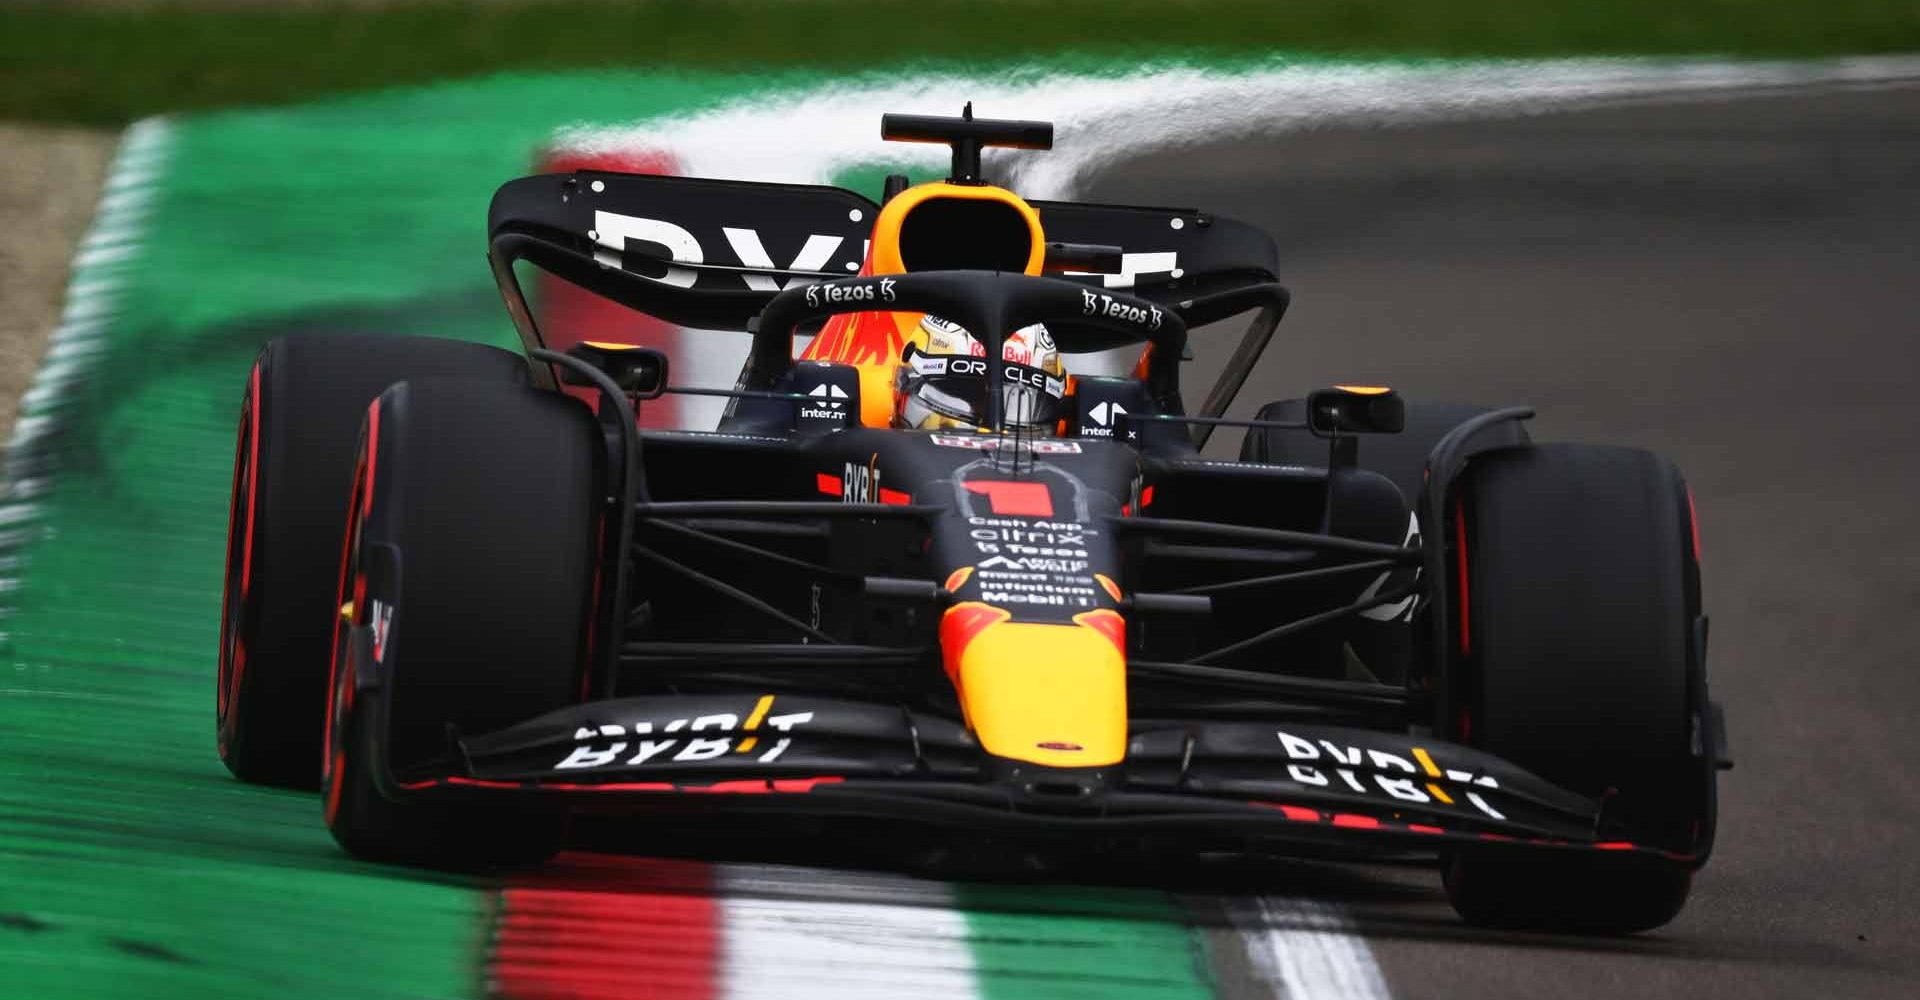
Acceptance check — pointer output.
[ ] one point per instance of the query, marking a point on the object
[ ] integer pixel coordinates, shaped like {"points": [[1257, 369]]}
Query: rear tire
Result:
{"points": [[1582, 589], [293, 467], [471, 575]]}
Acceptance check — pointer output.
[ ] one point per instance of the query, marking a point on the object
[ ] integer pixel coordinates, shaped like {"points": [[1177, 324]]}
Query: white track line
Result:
{"points": [[1302, 949], [879, 937]]}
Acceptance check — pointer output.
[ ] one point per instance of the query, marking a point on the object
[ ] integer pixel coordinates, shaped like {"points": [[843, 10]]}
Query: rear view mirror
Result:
{"points": [[1355, 409], [640, 372]]}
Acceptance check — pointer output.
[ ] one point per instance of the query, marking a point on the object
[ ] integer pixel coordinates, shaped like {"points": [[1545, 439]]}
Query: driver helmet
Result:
{"points": [[942, 381]]}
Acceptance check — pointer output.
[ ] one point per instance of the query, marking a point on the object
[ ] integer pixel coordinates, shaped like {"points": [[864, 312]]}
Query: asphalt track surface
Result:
{"points": [[1731, 282]]}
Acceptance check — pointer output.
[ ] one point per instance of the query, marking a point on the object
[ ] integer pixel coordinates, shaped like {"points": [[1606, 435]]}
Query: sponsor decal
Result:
{"points": [[682, 741], [1034, 378], [842, 293], [825, 402], [1035, 581], [1033, 562], [1048, 564], [1102, 418], [989, 442], [612, 231], [1094, 303], [1031, 537], [927, 364], [860, 483], [1369, 771]]}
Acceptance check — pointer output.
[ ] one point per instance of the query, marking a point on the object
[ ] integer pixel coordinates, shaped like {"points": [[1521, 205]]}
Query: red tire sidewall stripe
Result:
{"points": [[332, 760], [247, 463], [253, 488]]}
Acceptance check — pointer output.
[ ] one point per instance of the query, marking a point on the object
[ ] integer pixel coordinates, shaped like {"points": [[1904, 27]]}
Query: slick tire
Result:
{"points": [[470, 573], [1400, 457], [1581, 585], [300, 416]]}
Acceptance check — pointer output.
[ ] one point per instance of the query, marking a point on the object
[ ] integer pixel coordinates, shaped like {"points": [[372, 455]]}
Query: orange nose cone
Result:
{"points": [[1053, 694]]}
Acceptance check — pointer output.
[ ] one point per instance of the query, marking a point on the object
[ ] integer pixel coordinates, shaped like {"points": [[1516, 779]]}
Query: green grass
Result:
{"points": [[109, 63]]}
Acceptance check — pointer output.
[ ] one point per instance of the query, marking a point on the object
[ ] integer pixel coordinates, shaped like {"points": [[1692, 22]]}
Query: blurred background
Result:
{"points": [[1685, 225]]}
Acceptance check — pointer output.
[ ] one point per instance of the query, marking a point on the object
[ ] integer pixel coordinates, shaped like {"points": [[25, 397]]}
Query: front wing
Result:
{"points": [[1313, 785]]}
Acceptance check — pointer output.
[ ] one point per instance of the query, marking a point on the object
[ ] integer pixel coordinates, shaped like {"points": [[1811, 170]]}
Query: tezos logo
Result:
{"points": [[1092, 304], [838, 294]]}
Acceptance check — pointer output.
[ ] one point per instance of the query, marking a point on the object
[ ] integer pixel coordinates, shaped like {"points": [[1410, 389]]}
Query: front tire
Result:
{"points": [[470, 577], [293, 467], [1582, 590]]}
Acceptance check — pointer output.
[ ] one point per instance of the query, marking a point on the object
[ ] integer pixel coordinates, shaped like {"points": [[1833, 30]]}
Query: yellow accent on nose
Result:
{"points": [[346, 612], [1030, 689]]}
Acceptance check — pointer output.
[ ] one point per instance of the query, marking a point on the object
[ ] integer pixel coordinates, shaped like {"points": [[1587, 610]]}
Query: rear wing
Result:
{"points": [[710, 254]]}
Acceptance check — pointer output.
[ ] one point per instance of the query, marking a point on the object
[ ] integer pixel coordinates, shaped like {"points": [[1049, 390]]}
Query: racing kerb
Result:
{"points": [[132, 865]]}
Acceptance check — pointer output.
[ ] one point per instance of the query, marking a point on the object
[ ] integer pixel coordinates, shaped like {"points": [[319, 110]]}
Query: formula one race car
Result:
{"points": [[958, 565]]}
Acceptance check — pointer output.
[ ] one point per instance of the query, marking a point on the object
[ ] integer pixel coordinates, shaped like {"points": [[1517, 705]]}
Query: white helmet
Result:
{"points": [[942, 378]]}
